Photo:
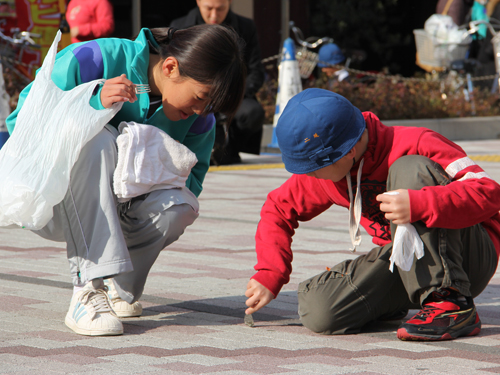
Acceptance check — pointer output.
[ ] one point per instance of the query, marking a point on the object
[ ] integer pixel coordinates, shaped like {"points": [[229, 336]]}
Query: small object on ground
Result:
{"points": [[249, 320]]}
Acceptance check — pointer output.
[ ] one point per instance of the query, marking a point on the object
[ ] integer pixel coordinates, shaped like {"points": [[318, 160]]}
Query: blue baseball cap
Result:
{"points": [[316, 129], [331, 54]]}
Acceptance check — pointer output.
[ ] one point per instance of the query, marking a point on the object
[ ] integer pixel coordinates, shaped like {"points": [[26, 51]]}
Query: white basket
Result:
{"points": [[438, 54], [307, 61]]}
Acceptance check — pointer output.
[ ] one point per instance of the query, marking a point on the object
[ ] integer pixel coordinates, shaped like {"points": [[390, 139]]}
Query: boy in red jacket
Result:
{"points": [[341, 156]]}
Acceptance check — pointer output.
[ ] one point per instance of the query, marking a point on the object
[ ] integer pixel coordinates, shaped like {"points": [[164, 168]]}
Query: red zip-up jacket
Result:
{"points": [[94, 19], [471, 198]]}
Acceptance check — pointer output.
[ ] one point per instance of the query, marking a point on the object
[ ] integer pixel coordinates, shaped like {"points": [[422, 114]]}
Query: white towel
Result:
{"points": [[149, 159], [406, 245]]}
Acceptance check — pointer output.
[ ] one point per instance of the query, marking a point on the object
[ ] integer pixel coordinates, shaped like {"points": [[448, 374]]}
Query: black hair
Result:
{"points": [[209, 54]]}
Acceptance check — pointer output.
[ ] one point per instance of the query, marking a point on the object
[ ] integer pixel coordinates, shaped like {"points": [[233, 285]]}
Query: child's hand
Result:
{"points": [[258, 296], [74, 31], [118, 89], [396, 206]]}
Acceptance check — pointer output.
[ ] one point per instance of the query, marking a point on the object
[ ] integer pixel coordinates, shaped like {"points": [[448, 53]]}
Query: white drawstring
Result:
{"points": [[355, 208]]}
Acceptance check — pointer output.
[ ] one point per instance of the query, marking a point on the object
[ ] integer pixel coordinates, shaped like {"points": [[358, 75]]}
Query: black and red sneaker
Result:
{"points": [[445, 315]]}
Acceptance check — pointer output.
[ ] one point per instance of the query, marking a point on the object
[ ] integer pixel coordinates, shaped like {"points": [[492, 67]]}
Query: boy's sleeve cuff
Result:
{"points": [[417, 205], [271, 280]]}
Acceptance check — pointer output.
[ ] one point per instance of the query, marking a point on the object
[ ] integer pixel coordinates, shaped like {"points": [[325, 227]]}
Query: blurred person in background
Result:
{"points": [[485, 52], [458, 10], [90, 19], [330, 54], [245, 131]]}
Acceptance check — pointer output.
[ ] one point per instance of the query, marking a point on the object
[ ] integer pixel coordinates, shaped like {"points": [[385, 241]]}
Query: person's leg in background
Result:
{"points": [[244, 134]]}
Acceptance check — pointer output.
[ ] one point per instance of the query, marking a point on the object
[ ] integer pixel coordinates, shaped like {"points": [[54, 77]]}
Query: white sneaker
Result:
{"points": [[122, 308], [90, 312]]}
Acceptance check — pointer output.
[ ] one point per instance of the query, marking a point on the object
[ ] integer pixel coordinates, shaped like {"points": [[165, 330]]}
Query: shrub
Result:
{"points": [[392, 99]]}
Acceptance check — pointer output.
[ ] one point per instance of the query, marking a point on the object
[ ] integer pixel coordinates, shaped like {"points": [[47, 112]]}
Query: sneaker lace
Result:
{"points": [[98, 300], [426, 312]]}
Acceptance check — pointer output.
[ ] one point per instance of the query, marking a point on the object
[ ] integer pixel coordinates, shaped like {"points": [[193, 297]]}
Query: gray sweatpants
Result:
{"points": [[355, 292], [108, 239]]}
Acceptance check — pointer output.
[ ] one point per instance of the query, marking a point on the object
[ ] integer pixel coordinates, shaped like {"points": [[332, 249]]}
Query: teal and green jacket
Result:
{"points": [[112, 57]]}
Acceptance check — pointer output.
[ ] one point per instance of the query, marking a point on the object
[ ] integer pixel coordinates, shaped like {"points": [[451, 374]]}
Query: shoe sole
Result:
{"points": [[472, 330], [127, 315], [130, 313], [70, 323]]}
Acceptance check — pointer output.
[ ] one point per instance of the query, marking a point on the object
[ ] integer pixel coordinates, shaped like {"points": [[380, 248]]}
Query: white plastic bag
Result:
{"points": [[443, 30], [406, 245], [439, 27], [36, 161]]}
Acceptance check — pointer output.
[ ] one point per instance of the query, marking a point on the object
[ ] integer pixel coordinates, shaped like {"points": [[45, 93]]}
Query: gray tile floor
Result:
{"points": [[194, 301]]}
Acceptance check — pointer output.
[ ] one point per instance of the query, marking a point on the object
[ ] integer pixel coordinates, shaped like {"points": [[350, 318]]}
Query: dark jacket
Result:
{"points": [[246, 29]]}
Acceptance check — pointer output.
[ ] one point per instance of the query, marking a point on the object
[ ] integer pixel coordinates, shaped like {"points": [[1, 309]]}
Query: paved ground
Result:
{"points": [[194, 303]]}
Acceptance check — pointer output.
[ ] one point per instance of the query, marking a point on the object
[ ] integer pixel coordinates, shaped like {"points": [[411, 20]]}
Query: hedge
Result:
{"points": [[392, 99]]}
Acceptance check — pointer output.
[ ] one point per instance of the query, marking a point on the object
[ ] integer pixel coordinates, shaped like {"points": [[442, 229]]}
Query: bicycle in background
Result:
{"points": [[308, 58], [14, 49]]}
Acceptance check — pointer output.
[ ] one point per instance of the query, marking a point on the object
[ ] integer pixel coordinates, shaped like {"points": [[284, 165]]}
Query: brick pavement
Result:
{"points": [[194, 303]]}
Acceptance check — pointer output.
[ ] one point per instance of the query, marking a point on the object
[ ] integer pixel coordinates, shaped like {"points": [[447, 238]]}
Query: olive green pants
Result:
{"points": [[358, 291]]}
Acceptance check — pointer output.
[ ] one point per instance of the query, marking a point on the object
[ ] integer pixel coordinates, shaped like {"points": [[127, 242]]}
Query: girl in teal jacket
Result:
{"points": [[111, 247]]}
